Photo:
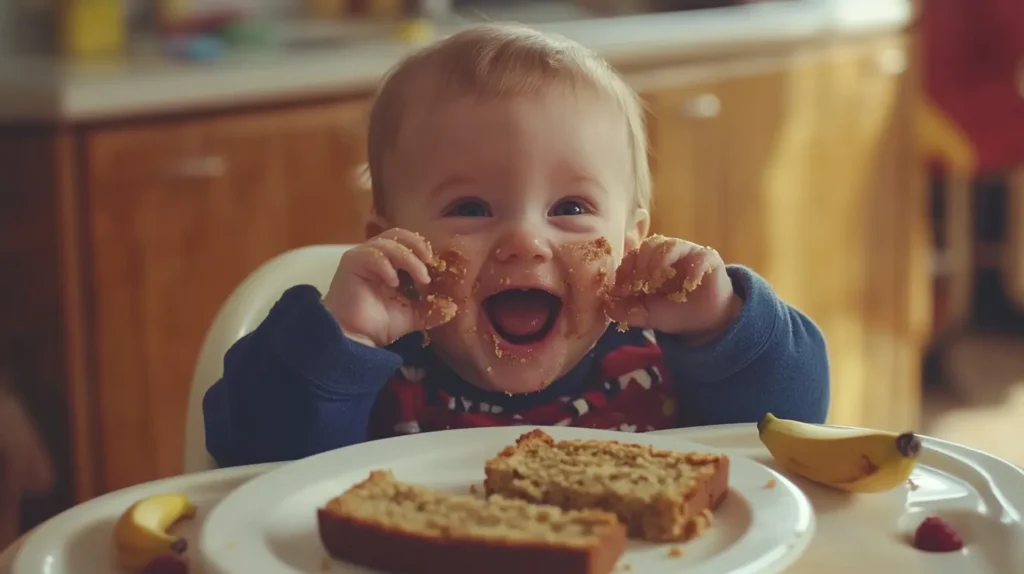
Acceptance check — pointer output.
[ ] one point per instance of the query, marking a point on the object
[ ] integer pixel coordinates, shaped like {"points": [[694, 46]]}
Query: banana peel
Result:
{"points": [[141, 533]]}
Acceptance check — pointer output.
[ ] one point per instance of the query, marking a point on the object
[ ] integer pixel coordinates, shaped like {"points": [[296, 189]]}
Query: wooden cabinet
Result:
{"points": [[803, 168], [179, 213], [800, 163]]}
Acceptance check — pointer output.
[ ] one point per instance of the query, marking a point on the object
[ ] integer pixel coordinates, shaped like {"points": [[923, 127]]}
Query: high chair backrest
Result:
{"points": [[244, 309]]}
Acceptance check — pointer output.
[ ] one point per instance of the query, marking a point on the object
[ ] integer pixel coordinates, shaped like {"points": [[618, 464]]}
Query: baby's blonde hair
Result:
{"points": [[494, 61]]}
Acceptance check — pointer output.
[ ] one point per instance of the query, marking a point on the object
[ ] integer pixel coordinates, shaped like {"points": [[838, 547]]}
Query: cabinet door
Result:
{"points": [[180, 213], [876, 85], [806, 172], [825, 196], [688, 164], [797, 168], [825, 200]]}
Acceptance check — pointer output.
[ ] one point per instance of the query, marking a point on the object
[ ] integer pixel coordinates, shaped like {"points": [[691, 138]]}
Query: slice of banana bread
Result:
{"points": [[388, 525], [660, 495]]}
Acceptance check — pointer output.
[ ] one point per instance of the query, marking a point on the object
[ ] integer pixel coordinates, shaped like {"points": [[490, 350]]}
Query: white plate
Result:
{"points": [[268, 525], [79, 540]]}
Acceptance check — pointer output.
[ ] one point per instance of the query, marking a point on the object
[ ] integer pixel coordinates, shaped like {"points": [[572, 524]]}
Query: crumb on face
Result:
{"points": [[497, 346], [438, 307], [591, 250], [675, 552], [448, 268], [436, 310]]}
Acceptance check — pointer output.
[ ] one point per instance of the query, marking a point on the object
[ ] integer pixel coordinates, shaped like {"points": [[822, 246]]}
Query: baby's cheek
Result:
{"points": [[448, 275], [589, 269]]}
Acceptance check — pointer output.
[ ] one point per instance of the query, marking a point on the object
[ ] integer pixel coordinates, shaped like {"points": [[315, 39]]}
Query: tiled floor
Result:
{"points": [[984, 404]]}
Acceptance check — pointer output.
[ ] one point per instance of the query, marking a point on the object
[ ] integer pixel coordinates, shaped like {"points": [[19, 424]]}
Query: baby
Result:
{"points": [[511, 212]]}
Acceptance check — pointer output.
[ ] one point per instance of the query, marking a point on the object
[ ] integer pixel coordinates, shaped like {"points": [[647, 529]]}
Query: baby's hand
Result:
{"points": [[379, 295], [674, 286]]}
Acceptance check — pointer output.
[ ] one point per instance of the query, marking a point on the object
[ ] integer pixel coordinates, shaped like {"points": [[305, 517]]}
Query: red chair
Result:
{"points": [[973, 52]]}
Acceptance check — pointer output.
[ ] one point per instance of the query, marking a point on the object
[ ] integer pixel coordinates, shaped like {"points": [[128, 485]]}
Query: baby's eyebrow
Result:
{"points": [[581, 179], [456, 180]]}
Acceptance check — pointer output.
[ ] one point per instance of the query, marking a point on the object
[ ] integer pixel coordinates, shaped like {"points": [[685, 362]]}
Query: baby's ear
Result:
{"points": [[637, 231], [375, 226]]}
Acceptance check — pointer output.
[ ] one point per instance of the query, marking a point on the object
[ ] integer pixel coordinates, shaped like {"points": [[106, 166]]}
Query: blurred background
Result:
{"points": [[860, 154]]}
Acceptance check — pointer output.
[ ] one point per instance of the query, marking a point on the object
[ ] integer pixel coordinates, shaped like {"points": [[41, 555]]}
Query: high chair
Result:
{"points": [[942, 141], [244, 309]]}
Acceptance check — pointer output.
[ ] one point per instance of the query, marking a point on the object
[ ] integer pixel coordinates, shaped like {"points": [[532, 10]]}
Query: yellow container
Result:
{"points": [[93, 28]]}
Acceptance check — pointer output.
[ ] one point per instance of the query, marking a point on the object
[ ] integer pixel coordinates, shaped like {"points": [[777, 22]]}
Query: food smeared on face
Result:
{"points": [[436, 302], [447, 271], [523, 314], [587, 280], [591, 251]]}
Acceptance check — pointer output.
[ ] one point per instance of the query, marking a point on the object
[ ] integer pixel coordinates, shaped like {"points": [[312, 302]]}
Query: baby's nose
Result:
{"points": [[520, 245]]}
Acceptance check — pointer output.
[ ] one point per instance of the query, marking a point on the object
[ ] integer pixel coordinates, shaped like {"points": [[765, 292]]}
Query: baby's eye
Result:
{"points": [[568, 207], [468, 208]]}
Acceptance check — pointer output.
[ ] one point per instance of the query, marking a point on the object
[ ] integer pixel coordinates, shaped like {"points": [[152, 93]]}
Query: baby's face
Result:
{"points": [[536, 195]]}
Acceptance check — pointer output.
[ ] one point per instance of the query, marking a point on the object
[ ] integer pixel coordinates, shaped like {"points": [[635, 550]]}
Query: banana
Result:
{"points": [[141, 535], [854, 460]]}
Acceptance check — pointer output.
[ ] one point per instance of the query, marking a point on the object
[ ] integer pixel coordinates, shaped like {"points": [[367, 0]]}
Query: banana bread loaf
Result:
{"points": [[388, 525], [660, 496]]}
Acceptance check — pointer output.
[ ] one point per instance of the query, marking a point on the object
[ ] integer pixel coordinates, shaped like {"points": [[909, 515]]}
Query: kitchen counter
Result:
{"points": [[39, 89]]}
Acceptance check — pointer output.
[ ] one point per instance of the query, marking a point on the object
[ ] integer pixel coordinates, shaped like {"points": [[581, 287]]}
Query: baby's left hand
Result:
{"points": [[674, 286]]}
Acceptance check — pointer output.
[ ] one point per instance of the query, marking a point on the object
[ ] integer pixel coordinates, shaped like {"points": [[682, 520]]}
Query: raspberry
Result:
{"points": [[935, 535]]}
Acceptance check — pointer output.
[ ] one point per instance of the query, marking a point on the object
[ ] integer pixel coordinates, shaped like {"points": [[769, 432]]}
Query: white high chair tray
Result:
{"points": [[980, 495]]}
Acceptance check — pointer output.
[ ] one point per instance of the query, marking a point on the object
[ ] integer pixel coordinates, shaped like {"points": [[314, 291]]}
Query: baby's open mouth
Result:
{"points": [[523, 316]]}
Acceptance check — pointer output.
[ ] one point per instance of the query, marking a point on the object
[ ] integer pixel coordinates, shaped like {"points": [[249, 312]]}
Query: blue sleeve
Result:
{"points": [[772, 359], [294, 387]]}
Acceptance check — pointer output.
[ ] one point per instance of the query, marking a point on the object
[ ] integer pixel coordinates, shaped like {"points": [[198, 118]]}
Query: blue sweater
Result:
{"points": [[296, 386]]}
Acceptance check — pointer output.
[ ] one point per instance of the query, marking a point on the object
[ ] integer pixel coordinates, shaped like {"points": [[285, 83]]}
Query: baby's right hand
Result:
{"points": [[370, 301]]}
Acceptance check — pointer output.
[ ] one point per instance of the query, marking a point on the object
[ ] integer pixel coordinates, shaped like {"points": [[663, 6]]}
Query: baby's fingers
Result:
{"points": [[624, 274], [397, 257], [692, 267], [655, 262], [627, 311], [414, 241]]}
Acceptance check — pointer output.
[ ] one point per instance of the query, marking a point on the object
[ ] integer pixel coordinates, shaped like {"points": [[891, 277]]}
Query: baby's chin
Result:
{"points": [[525, 374], [481, 356], [519, 380]]}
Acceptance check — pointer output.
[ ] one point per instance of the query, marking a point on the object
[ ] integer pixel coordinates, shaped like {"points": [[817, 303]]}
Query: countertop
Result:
{"points": [[42, 89]]}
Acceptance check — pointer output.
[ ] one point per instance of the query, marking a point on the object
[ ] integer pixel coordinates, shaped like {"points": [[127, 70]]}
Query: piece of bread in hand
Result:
{"points": [[661, 496], [402, 528]]}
